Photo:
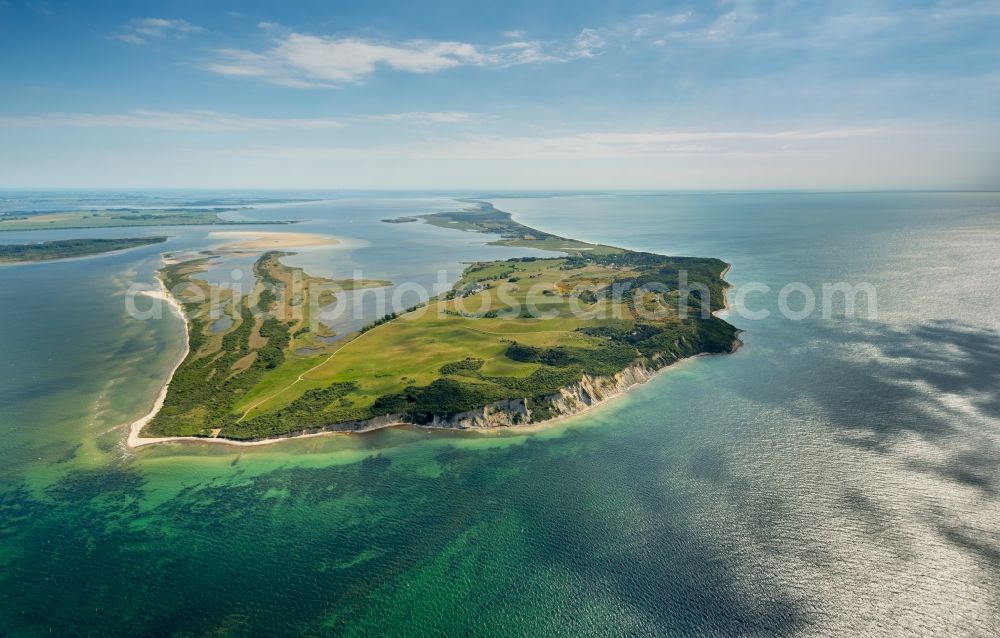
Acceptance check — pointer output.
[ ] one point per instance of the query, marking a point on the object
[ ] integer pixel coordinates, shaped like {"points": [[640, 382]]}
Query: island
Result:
{"points": [[121, 217], [401, 220], [66, 248], [514, 342]]}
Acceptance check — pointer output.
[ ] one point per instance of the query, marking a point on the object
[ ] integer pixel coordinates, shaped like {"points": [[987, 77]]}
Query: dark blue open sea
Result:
{"points": [[837, 476]]}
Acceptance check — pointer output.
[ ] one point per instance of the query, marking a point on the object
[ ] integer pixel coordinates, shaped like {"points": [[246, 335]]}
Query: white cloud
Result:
{"points": [[214, 121], [652, 24], [436, 117], [798, 25], [588, 43], [656, 141], [643, 143], [590, 146], [302, 60], [198, 120], [917, 154], [142, 30]]}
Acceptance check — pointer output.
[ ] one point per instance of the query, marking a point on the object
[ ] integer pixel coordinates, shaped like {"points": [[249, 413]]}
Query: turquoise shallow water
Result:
{"points": [[834, 477]]}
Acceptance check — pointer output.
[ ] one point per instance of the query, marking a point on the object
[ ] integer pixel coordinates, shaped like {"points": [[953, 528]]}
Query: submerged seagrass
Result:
{"points": [[516, 341]]}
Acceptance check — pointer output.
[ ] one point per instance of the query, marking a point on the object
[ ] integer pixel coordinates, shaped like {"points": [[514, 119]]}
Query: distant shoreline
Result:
{"points": [[75, 248]]}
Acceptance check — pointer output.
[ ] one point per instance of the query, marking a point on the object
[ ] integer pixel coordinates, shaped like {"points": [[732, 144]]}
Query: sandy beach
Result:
{"points": [[256, 241], [135, 428], [134, 440]]}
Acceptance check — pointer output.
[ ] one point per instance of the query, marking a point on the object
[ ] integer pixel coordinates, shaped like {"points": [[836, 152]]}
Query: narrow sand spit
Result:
{"points": [[134, 440], [252, 240]]}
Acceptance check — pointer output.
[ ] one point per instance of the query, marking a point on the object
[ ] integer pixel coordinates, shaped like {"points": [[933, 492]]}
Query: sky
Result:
{"points": [[582, 95]]}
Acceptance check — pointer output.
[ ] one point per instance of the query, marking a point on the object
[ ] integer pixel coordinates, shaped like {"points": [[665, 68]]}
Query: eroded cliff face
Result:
{"points": [[589, 391], [499, 414], [577, 397], [592, 390]]}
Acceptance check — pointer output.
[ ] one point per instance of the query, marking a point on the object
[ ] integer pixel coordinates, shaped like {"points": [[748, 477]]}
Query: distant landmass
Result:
{"points": [[401, 220], [120, 217], [65, 248]]}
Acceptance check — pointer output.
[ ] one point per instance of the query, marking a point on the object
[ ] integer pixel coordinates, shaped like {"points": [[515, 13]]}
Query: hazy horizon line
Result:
{"points": [[485, 192]]}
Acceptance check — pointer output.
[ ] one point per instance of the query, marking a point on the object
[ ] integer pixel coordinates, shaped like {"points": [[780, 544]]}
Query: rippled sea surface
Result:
{"points": [[836, 476]]}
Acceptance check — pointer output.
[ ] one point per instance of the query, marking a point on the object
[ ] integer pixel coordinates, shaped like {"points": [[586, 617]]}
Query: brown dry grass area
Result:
{"points": [[245, 362], [257, 341]]}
